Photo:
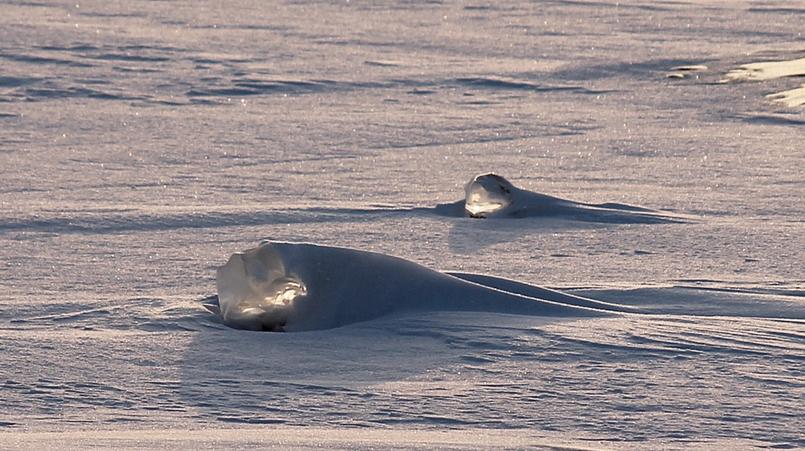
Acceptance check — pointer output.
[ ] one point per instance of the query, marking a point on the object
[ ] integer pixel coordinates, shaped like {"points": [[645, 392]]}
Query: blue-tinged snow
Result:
{"points": [[144, 143]]}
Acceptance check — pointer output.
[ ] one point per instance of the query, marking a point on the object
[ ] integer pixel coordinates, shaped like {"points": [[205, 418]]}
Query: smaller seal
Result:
{"points": [[486, 195], [492, 196]]}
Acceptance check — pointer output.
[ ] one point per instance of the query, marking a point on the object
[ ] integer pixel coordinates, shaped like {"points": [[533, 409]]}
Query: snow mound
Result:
{"points": [[280, 286]]}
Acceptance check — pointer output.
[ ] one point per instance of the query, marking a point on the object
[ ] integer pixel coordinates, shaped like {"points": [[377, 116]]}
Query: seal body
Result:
{"points": [[281, 286], [492, 196]]}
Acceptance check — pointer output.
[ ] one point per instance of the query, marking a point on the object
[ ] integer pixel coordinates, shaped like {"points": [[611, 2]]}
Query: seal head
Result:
{"points": [[487, 195], [256, 291]]}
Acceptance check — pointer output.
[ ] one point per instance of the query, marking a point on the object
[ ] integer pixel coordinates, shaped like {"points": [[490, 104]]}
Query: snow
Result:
{"points": [[143, 143], [770, 70], [792, 97], [288, 438]]}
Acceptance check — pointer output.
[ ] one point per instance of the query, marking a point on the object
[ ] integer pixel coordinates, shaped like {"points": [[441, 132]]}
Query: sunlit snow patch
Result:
{"points": [[298, 286], [769, 71], [684, 71], [792, 98]]}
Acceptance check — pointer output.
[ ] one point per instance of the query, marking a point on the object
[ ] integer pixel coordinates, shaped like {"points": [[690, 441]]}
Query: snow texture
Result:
{"points": [[142, 143]]}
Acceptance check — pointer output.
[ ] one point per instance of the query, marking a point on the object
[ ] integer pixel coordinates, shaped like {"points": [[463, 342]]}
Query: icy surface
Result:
{"points": [[142, 143]]}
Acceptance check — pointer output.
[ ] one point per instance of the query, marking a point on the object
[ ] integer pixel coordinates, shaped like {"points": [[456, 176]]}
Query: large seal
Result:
{"points": [[280, 286]]}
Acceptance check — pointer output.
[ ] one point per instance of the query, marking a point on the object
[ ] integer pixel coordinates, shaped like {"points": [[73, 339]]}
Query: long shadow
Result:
{"points": [[468, 235], [330, 377]]}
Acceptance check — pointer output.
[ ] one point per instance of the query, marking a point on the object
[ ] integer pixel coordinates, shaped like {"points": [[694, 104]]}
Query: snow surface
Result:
{"points": [[774, 69], [142, 143]]}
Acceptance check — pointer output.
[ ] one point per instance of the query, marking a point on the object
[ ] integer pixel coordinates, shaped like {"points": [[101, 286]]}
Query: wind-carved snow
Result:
{"points": [[792, 97], [769, 70], [764, 71]]}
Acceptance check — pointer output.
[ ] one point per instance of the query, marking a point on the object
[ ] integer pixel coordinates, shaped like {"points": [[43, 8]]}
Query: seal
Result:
{"points": [[488, 195], [492, 196], [287, 287]]}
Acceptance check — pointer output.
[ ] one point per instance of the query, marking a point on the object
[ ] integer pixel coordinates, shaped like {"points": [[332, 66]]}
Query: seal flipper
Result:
{"points": [[541, 293], [211, 303], [619, 206], [453, 209]]}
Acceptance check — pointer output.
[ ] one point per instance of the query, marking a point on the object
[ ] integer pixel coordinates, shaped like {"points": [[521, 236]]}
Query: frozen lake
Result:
{"points": [[142, 143]]}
